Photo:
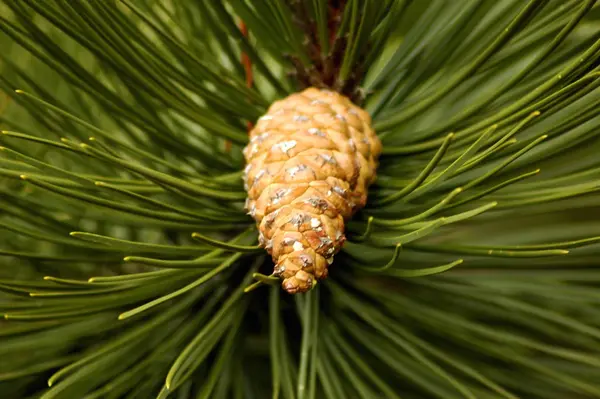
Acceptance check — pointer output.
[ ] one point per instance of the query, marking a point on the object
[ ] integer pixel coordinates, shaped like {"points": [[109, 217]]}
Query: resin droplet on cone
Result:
{"points": [[309, 162]]}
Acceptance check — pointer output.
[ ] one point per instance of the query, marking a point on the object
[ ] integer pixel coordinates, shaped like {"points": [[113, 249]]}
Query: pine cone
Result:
{"points": [[309, 162]]}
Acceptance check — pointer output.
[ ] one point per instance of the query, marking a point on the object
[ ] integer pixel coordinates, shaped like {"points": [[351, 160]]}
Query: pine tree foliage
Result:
{"points": [[129, 268]]}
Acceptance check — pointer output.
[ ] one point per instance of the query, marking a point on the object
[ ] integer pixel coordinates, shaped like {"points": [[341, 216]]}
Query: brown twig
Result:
{"points": [[325, 68], [247, 63], [245, 59]]}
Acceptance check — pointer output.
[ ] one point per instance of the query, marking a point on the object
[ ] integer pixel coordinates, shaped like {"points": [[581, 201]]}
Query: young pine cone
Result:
{"points": [[309, 162]]}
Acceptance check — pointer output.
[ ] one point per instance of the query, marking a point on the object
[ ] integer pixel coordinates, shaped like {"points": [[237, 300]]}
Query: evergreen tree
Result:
{"points": [[130, 268]]}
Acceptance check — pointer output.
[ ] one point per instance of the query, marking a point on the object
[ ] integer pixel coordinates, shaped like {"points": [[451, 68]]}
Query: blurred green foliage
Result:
{"points": [[114, 152]]}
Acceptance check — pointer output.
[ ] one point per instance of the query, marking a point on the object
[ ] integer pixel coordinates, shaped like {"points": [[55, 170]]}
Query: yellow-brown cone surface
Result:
{"points": [[309, 162]]}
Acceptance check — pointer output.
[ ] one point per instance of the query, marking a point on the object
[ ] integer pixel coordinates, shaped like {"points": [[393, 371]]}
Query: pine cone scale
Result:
{"points": [[309, 162]]}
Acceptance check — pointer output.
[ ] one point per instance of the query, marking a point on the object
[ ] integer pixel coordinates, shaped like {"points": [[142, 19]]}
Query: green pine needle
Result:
{"points": [[130, 269]]}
